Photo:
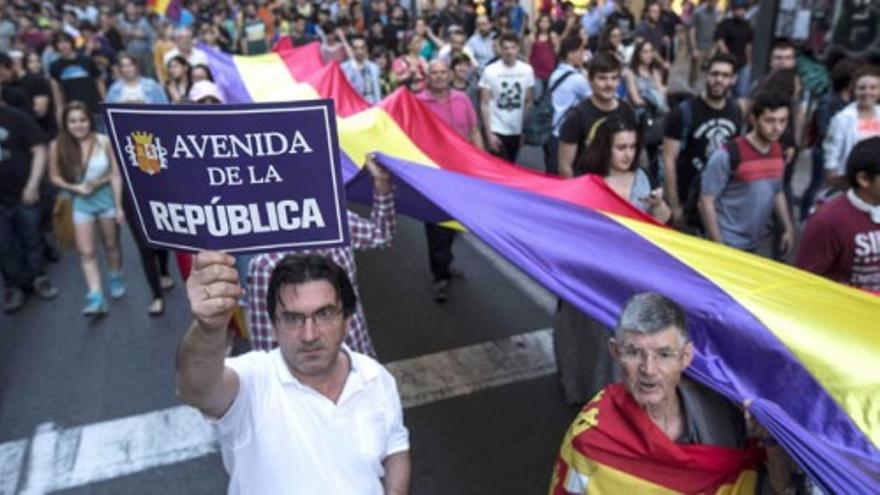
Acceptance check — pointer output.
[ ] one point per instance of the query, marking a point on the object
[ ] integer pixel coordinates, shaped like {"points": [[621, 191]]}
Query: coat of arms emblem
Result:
{"points": [[146, 152]]}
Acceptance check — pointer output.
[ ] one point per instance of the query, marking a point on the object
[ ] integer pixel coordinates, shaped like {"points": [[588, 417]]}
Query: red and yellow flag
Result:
{"points": [[613, 447]]}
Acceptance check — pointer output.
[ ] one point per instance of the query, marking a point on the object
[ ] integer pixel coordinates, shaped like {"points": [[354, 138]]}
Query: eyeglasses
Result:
{"points": [[635, 355], [322, 318]]}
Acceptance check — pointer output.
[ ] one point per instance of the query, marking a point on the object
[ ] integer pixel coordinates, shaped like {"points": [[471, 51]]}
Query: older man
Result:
{"points": [[186, 48], [655, 432], [310, 417], [455, 108]]}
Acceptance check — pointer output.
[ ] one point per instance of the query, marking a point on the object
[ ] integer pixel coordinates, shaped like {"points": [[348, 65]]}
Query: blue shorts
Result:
{"points": [[80, 217]]}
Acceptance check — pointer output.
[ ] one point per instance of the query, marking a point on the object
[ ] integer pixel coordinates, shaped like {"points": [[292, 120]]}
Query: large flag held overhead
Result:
{"points": [[804, 350]]}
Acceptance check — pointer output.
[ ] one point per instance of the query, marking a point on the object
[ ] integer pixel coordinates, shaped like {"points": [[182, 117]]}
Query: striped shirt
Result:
{"points": [[374, 233]]}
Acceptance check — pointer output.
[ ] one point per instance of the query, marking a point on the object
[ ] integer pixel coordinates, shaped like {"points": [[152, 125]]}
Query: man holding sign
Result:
{"points": [[309, 417]]}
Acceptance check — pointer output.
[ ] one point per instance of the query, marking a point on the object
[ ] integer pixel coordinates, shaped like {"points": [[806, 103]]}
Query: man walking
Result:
{"points": [[309, 417], [361, 72], [505, 97], [694, 130], [453, 107], [22, 165], [742, 183]]}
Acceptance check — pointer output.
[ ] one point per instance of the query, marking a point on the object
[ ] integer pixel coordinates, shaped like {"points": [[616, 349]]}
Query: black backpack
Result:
{"points": [[538, 124], [686, 108], [691, 204]]}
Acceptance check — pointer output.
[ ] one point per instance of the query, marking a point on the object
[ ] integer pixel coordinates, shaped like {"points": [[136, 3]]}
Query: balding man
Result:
{"points": [[455, 108], [186, 48]]}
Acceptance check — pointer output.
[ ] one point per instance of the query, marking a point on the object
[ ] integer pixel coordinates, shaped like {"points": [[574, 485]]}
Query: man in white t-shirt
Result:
{"points": [[186, 48], [505, 97], [310, 417]]}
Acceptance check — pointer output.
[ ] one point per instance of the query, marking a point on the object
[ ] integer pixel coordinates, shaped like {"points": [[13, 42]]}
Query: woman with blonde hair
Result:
{"points": [[82, 164]]}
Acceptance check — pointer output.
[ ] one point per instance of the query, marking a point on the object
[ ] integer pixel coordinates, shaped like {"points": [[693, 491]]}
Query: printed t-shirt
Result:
{"points": [[507, 87], [709, 130], [841, 243]]}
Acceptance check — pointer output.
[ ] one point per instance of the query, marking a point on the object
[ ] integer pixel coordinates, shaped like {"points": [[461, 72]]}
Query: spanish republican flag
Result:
{"points": [[614, 447]]}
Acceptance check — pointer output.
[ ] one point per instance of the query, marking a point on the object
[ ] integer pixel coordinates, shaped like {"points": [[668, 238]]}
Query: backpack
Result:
{"points": [[538, 124], [691, 207], [686, 108]]}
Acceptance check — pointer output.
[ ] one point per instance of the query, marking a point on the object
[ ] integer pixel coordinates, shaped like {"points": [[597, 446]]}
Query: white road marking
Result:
{"points": [[442, 375], [59, 459], [11, 459]]}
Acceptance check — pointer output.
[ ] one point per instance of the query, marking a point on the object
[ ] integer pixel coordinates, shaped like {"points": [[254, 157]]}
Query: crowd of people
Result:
{"points": [[710, 150]]}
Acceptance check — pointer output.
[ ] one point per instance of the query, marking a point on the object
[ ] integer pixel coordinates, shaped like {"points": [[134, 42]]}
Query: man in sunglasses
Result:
{"points": [[311, 416]]}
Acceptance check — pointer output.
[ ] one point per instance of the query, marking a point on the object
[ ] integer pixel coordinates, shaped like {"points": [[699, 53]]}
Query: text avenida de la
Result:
{"points": [[221, 219]]}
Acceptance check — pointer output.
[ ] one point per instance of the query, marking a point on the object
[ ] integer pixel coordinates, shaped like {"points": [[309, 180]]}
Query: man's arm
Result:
{"points": [[203, 381], [671, 149], [59, 101], [31, 193], [567, 152], [397, 473], [476, 137], [527, 102], [780, 206], [378, 231], [492, 141], [710, 218], [714, 179]]}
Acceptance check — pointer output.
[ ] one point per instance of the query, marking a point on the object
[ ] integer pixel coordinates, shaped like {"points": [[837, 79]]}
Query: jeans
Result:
{"points": [[21, 245], [509, 147]]}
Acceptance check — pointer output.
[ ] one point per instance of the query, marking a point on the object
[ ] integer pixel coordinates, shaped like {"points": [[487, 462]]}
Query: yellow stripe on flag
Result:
{"points": [[267, 78], [374, 130], [845, 367]]}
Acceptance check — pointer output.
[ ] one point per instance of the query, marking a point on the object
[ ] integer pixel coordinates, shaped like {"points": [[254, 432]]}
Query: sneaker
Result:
{"points": [[166, 282], [438, 290], [95, 304], [13, 300], [117, 285], [157, 307], [50, 252], [457, 274], [44, 288]]}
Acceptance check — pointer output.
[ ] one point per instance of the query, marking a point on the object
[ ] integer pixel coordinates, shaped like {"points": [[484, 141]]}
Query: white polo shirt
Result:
{"points": [[280, 436]]}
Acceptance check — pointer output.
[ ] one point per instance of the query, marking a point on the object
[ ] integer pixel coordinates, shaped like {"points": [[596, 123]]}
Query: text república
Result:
{"points": [[236, 219]]}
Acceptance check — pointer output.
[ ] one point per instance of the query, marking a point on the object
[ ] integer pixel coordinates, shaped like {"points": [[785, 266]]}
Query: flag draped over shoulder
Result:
{"points": [[614, 447], [801, 348]]}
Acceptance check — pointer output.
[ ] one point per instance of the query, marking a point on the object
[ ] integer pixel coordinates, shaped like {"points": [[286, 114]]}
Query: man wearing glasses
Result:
{"points": [[694, 129], [656, 432], [311, 416]]}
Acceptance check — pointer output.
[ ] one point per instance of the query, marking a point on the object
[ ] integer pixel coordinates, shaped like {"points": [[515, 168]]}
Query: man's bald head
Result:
{"points": [[438, 76]]}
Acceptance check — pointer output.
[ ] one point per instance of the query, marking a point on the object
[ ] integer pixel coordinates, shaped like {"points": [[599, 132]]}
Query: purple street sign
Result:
{"points": [[236, 178]]}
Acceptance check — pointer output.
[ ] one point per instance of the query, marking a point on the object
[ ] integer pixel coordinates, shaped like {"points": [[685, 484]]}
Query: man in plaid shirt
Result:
{"points": [[375, 233]]}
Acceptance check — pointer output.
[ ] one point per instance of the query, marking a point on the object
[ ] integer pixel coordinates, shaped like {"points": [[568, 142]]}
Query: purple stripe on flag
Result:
{"points": [[596, 263], [226, 76]]}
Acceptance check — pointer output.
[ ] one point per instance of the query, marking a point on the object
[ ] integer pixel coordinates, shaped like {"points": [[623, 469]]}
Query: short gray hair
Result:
{"points": [[648, 313]]}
